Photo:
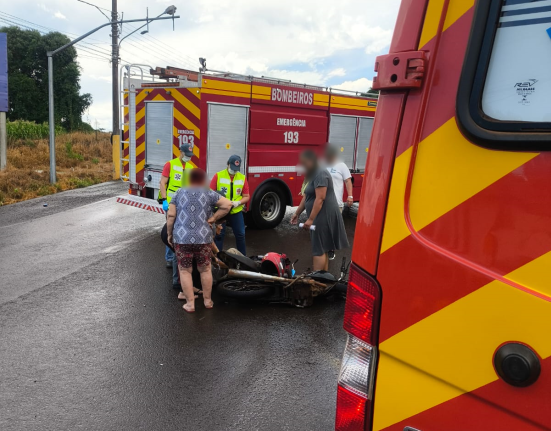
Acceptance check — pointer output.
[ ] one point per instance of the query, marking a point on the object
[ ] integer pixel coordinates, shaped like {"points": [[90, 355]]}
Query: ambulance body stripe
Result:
{"points": [[530, 415], [497, 238], [424, 359], [456, 9], [459, 170]]}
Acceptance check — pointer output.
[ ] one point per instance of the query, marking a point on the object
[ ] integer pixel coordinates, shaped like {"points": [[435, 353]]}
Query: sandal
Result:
{"points": [[197, 291], [182, 297], [209, 304], [188, 309]]}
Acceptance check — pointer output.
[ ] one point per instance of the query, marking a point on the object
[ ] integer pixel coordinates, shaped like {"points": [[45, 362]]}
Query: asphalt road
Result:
{"points": [[93, 338]]}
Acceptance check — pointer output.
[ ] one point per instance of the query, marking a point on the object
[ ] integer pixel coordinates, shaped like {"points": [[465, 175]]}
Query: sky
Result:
{"points": [[319, 42]]}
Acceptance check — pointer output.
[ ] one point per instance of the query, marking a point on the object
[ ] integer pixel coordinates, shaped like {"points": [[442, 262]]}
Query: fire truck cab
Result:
{"points": [[448, 310], [266, 121]]}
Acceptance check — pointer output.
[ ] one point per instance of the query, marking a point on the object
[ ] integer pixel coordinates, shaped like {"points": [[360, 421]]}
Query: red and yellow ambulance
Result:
{"points": [[449, 299]]}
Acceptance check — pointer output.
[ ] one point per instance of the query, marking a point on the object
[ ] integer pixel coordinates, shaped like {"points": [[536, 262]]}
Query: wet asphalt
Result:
{"points": [[92, 336]]}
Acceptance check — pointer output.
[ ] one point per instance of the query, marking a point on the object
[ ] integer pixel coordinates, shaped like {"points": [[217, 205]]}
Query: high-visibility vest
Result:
{"points": [[178, 178], [233, 190]]}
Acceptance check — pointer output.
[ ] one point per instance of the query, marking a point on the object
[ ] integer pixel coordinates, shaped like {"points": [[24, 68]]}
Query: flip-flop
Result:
{"points": [[188, 311], [182, 297], [197, 291], [209, 306]]}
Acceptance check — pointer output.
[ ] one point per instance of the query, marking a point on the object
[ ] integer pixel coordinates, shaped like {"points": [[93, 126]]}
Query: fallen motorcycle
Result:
{"points": [[271, 278]]}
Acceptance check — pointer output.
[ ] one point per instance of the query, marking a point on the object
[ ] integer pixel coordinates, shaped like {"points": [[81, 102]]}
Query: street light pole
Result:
{"points": [[51, 117], [115, 71], [50, 55]]}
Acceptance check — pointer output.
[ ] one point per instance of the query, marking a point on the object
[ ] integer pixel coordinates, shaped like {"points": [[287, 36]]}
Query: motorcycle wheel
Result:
{"points": [[244, 289]]}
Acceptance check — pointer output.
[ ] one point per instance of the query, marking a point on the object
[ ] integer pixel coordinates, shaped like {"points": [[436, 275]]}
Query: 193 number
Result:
{"points": [[291, 137], [186, 139]]}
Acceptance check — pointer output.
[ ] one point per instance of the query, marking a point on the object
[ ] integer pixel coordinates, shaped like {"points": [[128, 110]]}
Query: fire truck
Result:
{"points": [[448, 311], [268, 122]]}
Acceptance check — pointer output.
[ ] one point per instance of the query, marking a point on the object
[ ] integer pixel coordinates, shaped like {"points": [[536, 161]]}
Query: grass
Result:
{"points": [[81, 162], [27, 130]]}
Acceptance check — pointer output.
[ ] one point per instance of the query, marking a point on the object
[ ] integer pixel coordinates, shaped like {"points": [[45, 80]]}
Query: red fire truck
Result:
{"points": [[449, 297], [266, 121]]}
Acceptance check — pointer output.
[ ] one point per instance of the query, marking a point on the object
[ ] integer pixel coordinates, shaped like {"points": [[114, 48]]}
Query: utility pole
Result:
{"points": [[3, 142], [51, 54], [115, 70], [3, 100]]}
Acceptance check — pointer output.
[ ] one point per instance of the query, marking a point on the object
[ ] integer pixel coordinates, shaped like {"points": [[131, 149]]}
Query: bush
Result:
{"points": [[27, 130]]}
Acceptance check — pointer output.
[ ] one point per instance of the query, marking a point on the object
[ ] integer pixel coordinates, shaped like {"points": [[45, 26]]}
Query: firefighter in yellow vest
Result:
{"points": [[173, 177], [232, 184]]}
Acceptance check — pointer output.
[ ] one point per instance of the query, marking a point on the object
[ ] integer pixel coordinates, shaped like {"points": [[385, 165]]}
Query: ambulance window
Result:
{"points": [[505, 88]]}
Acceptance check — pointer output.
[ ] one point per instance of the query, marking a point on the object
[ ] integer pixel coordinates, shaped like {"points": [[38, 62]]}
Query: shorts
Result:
{"points": [[185, 253]]}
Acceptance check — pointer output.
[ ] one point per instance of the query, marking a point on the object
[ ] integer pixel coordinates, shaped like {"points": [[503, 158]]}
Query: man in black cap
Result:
{"points": [[174, 176], [232, 184]]}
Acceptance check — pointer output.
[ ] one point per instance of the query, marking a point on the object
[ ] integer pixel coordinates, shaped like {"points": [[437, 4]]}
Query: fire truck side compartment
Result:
{"points": [[158, 133], [227, 135]]}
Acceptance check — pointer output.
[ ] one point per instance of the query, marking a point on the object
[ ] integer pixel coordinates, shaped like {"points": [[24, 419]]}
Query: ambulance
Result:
{"points": [[268, 122], [448, 311]]}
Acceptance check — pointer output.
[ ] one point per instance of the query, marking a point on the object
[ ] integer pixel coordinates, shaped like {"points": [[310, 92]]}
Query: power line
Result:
{"points": [[38, 28], [45, 28], [161, 47], [157, 40], [99, 7], [93, 52], [157, 50]]}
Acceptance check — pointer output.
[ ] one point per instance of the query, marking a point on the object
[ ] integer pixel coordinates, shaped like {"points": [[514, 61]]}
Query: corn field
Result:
{"points": [[28, 130]]}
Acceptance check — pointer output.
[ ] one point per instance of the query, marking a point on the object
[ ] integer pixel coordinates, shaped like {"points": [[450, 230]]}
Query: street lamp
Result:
{"points": [[51, 54], [171, 10]]}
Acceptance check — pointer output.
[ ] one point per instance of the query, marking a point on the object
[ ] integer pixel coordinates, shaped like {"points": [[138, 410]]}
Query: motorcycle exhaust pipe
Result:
{"points": [[235, 273]]}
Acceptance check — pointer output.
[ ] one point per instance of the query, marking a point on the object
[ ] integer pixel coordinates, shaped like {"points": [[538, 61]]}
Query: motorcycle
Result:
{"points": [[271, 278]]}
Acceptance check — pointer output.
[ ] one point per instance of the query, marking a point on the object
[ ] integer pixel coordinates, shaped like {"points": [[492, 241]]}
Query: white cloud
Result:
{"points": [[43, 7], [337, 72], [106, 78], [361, 84], [291, 39]]}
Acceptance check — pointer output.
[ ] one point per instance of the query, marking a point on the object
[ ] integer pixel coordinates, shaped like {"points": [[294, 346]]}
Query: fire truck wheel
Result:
{"points": [[268, 208]]}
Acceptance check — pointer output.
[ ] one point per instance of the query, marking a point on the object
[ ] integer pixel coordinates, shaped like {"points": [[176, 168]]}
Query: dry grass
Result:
{"points": [[81, 161]]}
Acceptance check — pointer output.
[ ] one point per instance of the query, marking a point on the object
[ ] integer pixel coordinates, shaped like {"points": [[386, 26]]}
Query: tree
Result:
{"points": [[371, 93], [28, 78]]}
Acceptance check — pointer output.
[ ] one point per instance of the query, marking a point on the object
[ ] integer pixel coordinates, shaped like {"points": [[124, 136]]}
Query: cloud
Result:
{"points": [[337, 72], [45, 8], [106, 78], [318, 42], [361, 84]]}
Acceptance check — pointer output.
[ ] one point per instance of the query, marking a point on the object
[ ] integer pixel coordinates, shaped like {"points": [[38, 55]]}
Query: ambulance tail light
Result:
{"points": [[357, 375]]}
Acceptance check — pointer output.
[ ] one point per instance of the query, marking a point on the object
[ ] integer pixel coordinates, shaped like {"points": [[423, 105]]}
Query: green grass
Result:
{"points": [[27, 130], [71, 153]]}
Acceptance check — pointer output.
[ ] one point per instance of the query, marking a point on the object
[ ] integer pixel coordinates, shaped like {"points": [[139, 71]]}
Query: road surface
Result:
{"points": [[93, 338]]}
